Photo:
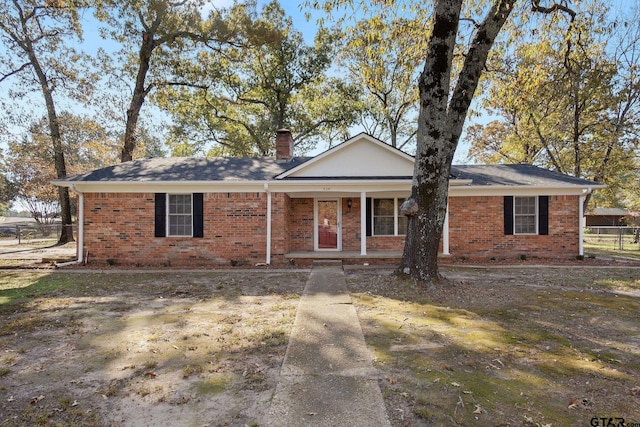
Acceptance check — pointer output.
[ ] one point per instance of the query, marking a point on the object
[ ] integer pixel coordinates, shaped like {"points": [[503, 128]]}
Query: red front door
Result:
{"points": [[328, 224]]}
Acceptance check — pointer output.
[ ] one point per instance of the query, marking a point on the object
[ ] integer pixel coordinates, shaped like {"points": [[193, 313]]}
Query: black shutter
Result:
{"points": [[368, 216], [508, 214], [543, 215], [161, 215], [198, 215]]}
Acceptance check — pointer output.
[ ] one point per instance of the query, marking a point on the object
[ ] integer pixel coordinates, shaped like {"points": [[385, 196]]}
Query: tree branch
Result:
{"points": [[475, 61], [169, 38], [408, 139], [301, 136], [184, 84], [556, 7], [473, 22], [544, 143], [142, 21], [14, 72]]}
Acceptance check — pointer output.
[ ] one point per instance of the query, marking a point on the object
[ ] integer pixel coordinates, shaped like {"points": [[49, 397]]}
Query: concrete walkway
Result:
{"points": [[327, 377]]}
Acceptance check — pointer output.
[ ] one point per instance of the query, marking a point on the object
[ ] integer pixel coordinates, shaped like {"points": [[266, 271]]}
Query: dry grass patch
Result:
{"points": [[505, 346], [608, 246], [169, 348]]}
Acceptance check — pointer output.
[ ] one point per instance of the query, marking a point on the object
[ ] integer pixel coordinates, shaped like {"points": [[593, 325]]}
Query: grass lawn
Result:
{"points": [[508, 347], [608, 246]]}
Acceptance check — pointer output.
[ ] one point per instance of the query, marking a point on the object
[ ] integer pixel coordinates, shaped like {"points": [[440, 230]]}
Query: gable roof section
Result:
{"points": [[362, 156]]}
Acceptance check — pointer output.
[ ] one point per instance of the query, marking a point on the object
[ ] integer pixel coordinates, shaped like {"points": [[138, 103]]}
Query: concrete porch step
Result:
{"points": [[327, 262], [344, 255]]}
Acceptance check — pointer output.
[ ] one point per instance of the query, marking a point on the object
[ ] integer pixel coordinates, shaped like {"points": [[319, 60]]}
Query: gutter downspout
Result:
{"points": [[445, 233], [268, 257], [80, 222], [581, 220], [363, 223]]}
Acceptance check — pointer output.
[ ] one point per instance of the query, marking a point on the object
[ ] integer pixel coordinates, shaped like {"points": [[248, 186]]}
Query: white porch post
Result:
{"points": [[363, 223], [80, 223], [445, 233], [580, 227], [268, 260]]}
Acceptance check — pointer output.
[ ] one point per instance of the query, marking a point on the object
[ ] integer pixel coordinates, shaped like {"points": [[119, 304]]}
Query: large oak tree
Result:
{"points": [[273, 80], [446, 91], [577, 110], [38, 54], [156, 37]]}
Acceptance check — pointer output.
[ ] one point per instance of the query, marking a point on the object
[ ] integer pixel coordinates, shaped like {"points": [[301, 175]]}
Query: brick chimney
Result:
{"points": [[284, 144]]}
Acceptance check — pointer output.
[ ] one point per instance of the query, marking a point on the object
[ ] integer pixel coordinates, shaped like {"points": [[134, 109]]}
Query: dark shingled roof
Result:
{"points": [[191, 169], [233, 169], [520, 174]]}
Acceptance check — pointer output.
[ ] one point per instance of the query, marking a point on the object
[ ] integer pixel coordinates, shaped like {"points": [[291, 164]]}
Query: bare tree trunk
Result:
{"points": [[424, 230], [393, 130], [139, 94], [440, 125], [66, 234], [585, 203], [429, 189]]}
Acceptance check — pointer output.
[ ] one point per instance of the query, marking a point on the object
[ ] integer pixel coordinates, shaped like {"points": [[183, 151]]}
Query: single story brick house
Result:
{"points": [[343, 203]]}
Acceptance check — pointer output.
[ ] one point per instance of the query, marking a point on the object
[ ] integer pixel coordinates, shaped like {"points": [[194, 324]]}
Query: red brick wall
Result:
{"points": [[120, 226], [300, 224], [385, 243], [476, 230], [280, 206], [351, 225]]}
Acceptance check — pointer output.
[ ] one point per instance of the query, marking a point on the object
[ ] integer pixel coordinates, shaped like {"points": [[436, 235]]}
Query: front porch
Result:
{"points": [[345, 227]]}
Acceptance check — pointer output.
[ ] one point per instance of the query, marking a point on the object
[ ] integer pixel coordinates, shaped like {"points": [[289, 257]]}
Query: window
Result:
{"points": [[383, 217], [402, 220], [525, 214], [184, 215], [179, 215], [386, 218]]}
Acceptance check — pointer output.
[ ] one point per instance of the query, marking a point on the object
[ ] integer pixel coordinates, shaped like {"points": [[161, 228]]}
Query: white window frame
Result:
{"points": [[396, 215], [536, 215], [169, 214]]}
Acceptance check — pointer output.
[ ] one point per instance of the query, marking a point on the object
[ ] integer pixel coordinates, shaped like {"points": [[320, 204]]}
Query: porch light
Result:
{"points": [[349, 203]]}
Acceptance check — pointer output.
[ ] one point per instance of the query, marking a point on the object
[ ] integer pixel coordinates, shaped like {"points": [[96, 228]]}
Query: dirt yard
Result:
{"points": [[142, 349], [506, 346], [501, 346]]}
